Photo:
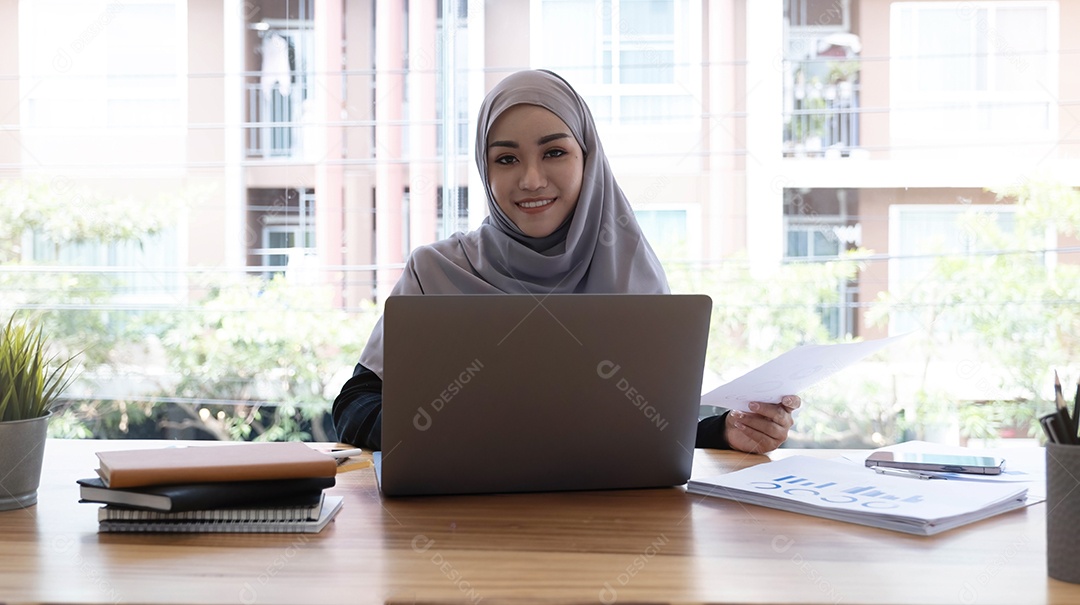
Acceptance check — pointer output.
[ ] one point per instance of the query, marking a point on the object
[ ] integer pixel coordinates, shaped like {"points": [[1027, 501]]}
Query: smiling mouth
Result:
{"points": [[535, 204]]}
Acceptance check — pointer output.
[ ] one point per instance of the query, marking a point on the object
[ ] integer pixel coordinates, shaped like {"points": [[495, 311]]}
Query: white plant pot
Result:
{"points": [[22, 448]]}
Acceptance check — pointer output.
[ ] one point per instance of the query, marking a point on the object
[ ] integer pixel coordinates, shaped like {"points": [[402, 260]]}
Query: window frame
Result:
{"points": [[98, 88], [906, 100], [686, 47]]}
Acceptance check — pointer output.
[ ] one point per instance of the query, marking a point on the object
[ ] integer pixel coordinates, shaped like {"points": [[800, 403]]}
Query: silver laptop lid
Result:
{"points": [[511, 393]]}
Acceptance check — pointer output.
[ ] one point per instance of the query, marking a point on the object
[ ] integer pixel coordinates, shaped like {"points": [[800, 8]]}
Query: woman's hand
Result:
{"points": [[762, 429]]}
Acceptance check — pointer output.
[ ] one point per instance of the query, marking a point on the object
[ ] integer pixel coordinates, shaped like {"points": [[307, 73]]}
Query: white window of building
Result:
{"points": [[285, 221], [973, 69], [919, 235], [140, 272], [632, 60], [106, 65], [666, 231]]}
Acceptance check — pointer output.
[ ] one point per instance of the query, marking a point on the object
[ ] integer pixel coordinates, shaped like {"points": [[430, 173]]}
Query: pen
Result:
{"points": [[1059, 399], [900, 472], [1076, 411], [1066, 428], [346, 453]]}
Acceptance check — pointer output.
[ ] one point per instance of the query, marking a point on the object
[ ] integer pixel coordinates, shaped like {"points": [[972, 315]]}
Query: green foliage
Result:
{"points": [[258, 360], [250, 359], [253, 360], [69, 214], [32, 379], [1008, 314], [758, 317], [57, 215]]}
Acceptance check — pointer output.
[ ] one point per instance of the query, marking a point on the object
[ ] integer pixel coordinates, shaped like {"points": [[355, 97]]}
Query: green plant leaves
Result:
{"points": [[30, 379]]}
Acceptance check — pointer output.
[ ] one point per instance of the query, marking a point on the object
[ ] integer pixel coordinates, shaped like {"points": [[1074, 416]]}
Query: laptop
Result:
{"points": [[519, 393]]}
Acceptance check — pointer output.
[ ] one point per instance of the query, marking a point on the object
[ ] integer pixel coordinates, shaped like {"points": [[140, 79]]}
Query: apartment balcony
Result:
{"points": [[277, 120], [822, 119]]}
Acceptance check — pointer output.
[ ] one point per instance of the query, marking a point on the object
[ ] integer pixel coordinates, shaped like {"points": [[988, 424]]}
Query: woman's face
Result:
{"points": [[535, 167]]}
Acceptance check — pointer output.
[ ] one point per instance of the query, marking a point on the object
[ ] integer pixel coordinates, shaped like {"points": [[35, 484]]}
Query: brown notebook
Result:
{"points": [[217, 463]]}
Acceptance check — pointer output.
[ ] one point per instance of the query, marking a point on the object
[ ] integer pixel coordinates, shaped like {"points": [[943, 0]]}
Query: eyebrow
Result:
{"points": [[541, 141]]}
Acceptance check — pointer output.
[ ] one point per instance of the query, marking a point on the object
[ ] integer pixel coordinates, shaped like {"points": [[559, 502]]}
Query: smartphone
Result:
{"points": [[941, 463]]}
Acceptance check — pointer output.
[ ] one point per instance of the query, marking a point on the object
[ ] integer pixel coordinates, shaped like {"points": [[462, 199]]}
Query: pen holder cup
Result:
{"points": [[1063, 512]]}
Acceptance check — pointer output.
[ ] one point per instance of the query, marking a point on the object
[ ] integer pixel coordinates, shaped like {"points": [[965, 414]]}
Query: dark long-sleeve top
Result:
{"points": [[358, 415]]}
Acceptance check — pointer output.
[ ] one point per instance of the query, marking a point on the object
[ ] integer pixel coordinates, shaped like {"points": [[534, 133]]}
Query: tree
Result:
{"points": [[261, 360], [1006, 309]]}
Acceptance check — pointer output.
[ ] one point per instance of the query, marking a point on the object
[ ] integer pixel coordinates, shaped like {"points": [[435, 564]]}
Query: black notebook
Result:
{"points": [[206, 496]]}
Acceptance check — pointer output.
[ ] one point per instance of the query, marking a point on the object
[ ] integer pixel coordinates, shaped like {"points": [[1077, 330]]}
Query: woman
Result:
{"points": [[558, 223]]}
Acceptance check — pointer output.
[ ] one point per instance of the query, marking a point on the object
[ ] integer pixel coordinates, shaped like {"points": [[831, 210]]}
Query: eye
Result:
{"points": [[504, 160], [554, 153]]}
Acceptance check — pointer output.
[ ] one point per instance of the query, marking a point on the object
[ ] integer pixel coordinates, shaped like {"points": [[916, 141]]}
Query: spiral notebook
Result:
{"points": [[307, 508], [330, 508]]}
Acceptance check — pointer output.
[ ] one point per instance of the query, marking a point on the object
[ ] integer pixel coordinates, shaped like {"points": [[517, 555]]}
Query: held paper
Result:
{"points": [[791, 373]]}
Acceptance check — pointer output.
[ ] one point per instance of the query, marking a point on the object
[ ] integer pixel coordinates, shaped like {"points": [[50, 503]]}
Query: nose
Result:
{"points": [[532, 176]]}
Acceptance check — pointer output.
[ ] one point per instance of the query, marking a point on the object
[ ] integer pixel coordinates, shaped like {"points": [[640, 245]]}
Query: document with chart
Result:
{"points": [[845, 492]]}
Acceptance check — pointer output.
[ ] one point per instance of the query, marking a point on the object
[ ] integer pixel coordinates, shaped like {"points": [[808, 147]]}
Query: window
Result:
{"points": [[278, 99], [666, 231], [822, 224], [974, 67], [821, 79], [460, 203], [136, 272], [459, 105], [107, 65], [630, 59], [919, 235], [819, 15], [284, 220]]}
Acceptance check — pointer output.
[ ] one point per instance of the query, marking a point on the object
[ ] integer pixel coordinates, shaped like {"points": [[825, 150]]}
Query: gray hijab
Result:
{"points": [[600, 248]]}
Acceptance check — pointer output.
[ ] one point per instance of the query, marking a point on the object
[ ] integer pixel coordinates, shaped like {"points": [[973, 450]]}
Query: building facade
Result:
{"points": [[325, 139]]}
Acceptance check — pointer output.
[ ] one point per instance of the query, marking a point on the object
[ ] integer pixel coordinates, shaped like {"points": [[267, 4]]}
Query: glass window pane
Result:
{"points": [[646, 18], [665, 229], [945, 50], [1020, 48], [826, 243], [569, 38], [656, 108], [797, 243], [646, 67]]}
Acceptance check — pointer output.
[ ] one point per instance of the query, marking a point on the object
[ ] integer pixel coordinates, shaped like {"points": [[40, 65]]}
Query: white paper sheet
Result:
{"points": [[792, 372]]}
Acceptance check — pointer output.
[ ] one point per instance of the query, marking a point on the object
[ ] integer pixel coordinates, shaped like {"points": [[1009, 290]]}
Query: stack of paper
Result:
{"points": [[845, 492], [265, 488]]}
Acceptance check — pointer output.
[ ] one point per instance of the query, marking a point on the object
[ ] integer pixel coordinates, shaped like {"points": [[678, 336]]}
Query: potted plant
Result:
{"points": [[30, 382]]}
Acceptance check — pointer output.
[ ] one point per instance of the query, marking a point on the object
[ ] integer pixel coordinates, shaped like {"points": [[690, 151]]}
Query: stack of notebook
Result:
{"points": [[250, 487]]}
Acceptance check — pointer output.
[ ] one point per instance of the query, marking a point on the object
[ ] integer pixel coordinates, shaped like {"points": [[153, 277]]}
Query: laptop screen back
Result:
{"points": [[511, 393]]}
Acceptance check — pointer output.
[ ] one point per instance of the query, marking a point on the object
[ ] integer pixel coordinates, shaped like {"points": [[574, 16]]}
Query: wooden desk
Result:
{"points": [[642, 546]]}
